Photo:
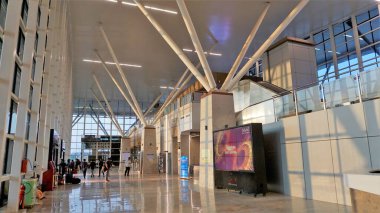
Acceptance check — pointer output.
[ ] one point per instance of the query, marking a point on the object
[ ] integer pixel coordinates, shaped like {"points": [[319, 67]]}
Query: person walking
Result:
{"points": [[101, 164], [128, 164], [92, 167], [84, 168], [68, 166], [108, 166]]}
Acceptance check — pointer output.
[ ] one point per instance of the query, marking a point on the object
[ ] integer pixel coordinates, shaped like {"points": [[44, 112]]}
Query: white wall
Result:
{"points": [[319, 147]]}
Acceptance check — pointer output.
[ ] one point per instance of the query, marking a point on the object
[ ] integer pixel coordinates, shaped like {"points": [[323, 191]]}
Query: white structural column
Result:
{"points": [[125, 80], [130, 102], [23, 100], [174, 46], [243, 71], [7, 64], [217, 112], [37, 82], [47, 90], [197, 44], [113, 118], [246, 45]]}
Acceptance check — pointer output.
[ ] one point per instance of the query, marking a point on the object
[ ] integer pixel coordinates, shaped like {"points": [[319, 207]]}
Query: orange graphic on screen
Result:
{"points": [[233, 149]]}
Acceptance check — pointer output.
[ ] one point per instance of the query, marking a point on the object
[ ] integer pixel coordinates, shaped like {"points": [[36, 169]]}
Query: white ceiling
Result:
{"points": [[136, 41]]}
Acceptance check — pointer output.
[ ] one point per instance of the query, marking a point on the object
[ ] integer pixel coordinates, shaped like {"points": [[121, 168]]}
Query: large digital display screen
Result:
{"points": [[233, 149]]}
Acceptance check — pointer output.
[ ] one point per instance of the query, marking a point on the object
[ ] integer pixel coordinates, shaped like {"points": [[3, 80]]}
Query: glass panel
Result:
{"points": [[24, 11], [3, 12], [12, 117], [4, 191], [30, 97], [27, 131], [8, 156], [20, 44], [370, 84], [284, 106], [16, 80], [341, 92], [309, 100]]}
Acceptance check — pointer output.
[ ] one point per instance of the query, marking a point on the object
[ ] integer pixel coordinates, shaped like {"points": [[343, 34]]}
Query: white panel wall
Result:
{"points": [[334, 142], [347, 122], [349, 156]]}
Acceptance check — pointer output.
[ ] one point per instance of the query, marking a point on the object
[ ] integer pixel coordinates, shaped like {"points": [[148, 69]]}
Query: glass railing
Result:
{"points": [[370, 84], [316, 97]]}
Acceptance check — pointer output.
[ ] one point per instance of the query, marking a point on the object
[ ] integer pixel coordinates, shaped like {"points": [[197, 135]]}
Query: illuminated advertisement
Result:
{"points": [[233, 149]]}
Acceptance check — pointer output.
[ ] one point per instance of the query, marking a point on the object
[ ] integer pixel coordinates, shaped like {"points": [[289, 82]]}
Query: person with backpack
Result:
{"points": [[127, 166], [84, 168], [92, 167]]}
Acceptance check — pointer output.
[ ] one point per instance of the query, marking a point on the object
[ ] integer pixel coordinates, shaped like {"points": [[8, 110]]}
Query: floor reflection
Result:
{"points": [[161, 193]]}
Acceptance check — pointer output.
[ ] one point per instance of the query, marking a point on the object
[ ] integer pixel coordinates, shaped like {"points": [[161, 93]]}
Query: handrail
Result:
{"points": [[304, 87]]}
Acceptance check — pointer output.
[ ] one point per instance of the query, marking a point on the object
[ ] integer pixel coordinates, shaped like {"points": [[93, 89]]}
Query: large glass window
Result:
{"points": [[30, 101], [347, 59], [3, 12], [20, 43], [33, 68], [16, 80], [36, 43], [12, 117], [1, 46], [39, 17], [369, 38], [24, 11], [8, 156], [324, 56], [27, 130]]}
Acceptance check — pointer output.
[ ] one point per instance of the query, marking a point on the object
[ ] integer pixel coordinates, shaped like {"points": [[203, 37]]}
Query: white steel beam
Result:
{"points": [[152, 104], [174, 46], [267, 43], [125, 80], [246, 45], [177, 92], [130, 102], [197, 44], [177, 85], [113, 118]]}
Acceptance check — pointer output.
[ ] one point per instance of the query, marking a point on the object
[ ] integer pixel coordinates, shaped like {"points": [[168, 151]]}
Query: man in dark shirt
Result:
{"points": [[101, 163], [92, 167], [62, 167]]}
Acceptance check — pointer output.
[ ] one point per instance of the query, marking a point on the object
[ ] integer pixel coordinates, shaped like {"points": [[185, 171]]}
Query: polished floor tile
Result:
{"points": [[161, 193]]}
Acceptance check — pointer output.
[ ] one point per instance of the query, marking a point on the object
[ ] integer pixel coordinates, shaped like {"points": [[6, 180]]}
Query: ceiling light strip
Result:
{"points": [[112, 63], [150, 7]]}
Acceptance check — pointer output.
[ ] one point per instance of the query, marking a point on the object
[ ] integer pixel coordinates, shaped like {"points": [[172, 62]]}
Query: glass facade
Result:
{"points": [[348, 47], [91, 120]]}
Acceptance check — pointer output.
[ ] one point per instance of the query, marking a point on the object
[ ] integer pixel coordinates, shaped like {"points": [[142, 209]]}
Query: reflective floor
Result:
{"points": [[166, 194]]}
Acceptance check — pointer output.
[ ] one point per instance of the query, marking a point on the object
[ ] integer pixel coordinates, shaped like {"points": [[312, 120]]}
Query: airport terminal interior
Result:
{"points": [[190, 106]]}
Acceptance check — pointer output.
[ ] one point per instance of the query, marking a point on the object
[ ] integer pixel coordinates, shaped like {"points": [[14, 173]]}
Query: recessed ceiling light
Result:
{"points": [[151, 8], [112, 63], [349, 36], [115, 1], [317, 49], [187, 50]]}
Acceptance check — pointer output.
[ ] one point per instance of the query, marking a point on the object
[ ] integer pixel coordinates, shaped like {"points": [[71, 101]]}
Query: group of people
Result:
{"points": [[72, 167]]}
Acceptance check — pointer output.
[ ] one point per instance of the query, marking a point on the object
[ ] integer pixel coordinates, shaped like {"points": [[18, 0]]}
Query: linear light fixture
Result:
{"points": [[165, 87], [151, 8], [112, 63], [207, 53]]}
